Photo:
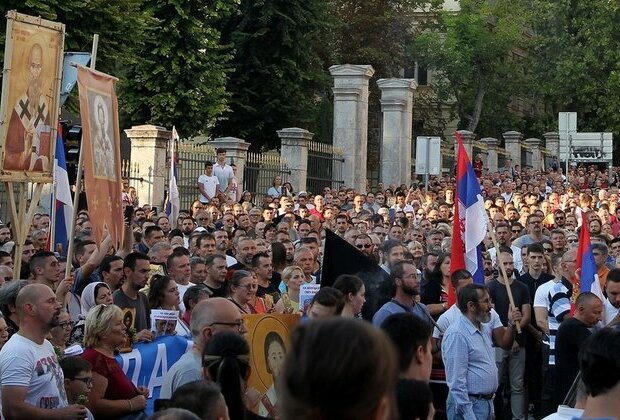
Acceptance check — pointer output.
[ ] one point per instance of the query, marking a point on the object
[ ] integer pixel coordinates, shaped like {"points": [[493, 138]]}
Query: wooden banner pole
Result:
{"points": [[502, 270]]}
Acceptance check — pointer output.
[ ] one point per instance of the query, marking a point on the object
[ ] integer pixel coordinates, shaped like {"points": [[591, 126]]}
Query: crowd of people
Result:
{"points": [[415, 356]]}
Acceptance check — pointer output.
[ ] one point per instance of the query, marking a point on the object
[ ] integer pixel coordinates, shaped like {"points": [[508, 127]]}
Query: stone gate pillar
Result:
{"points": [[294, 152], [492, 158], [468, 143], [351, 120], [553, 143], [536, 153], [513, 146], [148, 154], [397, 107]]}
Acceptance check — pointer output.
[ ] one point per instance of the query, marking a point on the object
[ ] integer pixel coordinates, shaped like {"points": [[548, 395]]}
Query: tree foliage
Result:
{"points": [[474, 54], [276, 69], [120, 26], [575, 64], [179, 77]]}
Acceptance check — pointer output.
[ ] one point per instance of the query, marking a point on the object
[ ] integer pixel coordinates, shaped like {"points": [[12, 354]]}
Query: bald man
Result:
{"points": [[209, 317], [32, 380]]}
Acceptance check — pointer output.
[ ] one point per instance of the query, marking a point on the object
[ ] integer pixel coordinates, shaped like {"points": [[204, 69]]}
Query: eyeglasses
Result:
{"points": [[66, 324], [88, 381], [360, 246], [239, 324]]}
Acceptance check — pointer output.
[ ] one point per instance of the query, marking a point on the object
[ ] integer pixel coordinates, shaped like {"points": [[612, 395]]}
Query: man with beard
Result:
{"points": [[513, 360], [290, 250], [364, 244], [32, 380], [407, 285], [559, 219], [28, 133], [129, 298], [503, 233], [5, 239], [392, 251], [467, 353], [268, 282], [245, 250], [222, 241], [187, 227]]}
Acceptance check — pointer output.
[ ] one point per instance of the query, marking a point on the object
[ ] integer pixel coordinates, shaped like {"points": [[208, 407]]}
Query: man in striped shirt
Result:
{"points": [[551, 306]]}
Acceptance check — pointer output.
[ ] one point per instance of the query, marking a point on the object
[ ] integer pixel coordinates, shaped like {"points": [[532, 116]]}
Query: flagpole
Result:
{"points": [[78, 177], [502, 270]]}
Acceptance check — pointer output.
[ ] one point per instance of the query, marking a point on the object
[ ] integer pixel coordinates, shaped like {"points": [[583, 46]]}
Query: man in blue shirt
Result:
{"points": [[469, 358], [405, 280]]}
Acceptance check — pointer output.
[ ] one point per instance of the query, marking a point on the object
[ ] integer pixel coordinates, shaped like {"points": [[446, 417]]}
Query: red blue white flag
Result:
{"points": [[470, 220], [63, 204], [586, 276]]}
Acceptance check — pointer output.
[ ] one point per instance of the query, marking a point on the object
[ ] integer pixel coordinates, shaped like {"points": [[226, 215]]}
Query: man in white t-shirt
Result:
{"points": [[32, 380], [207, 184], [223, 172], [612, 303]]}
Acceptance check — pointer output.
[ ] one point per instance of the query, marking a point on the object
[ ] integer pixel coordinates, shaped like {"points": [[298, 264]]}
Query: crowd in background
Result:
{"points": [[223, 258]]}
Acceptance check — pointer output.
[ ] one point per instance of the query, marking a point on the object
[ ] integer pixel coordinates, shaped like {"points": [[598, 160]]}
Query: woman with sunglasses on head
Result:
{"points": [[226, 361], [293, 277], [113, 395]]}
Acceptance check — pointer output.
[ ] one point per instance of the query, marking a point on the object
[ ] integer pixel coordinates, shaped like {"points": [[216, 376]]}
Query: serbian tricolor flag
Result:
{"points": [[586, 276], [470, 221], [63, 204], [173, 205]]}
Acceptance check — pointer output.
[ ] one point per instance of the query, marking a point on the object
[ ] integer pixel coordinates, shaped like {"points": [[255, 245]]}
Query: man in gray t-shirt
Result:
{"points": [[209, 317]]}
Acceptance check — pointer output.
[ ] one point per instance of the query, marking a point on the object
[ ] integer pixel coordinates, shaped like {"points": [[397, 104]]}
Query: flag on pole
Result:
{"points": [[470, 221], [173, 206], [63, 204], [586, 276]]}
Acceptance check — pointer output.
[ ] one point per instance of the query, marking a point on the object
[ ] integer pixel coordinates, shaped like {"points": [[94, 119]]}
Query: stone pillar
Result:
{"points": [[148, 153], [237, 153], [294, 151], [468, 143], [536, 153], [513, 146], [397, 106], [351, 120], [553, 143], [492, 144]]}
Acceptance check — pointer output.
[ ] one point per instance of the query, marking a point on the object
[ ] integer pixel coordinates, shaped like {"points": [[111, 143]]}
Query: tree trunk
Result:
{"points": [[475, 119]]}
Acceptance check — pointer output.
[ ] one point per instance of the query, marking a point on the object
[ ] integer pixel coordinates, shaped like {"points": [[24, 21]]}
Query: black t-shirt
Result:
{"points": [[570, 337], [221, 291], [499, 296]]}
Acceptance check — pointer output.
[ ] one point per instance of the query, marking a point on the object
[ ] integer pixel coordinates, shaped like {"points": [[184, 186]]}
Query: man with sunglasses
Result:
{"points": [[364, 244], [534, 231], [209, 317]]}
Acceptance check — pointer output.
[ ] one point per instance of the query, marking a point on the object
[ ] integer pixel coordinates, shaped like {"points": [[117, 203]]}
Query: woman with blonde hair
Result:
{"points": [[293, 277], [112, 395]]}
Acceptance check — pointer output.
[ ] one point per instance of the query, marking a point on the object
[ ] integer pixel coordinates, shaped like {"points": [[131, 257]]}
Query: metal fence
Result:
{"points": [[191, 160], [324, 167], [260, 169]]}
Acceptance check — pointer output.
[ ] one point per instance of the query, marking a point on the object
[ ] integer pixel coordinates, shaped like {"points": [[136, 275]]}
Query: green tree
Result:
{"points": [[276, 69], [179, 76], [475, 55], [576, 65], [120, 26]]}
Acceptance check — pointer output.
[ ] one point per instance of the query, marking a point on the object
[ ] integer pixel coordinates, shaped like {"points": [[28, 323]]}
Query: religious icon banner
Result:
{"points": [[102, 153], [30, 97], [268, 339]]}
